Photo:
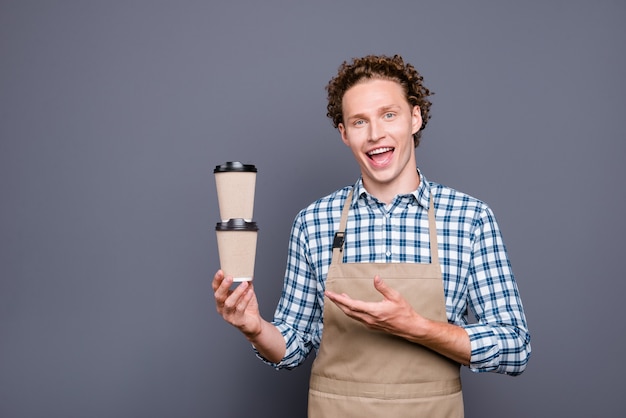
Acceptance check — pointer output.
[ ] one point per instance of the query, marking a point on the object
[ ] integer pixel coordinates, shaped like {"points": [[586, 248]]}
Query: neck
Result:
{"points": [[387, 192]]}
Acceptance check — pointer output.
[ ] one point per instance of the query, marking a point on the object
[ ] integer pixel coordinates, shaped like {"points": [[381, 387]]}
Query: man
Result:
{"points": [[381, 275]]}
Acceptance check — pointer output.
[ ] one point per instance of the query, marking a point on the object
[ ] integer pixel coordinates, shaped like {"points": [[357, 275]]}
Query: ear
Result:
{"points": [[342, 131], [416, 119]]}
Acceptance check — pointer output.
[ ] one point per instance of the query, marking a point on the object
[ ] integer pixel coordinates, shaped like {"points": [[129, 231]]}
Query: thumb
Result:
{"points": [[383, 289]]}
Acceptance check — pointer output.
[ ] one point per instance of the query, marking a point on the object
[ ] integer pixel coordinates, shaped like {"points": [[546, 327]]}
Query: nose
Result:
{"points": [[376, 131]]}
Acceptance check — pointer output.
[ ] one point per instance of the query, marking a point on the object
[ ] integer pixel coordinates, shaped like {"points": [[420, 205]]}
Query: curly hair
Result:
{"points": [[381, 67]]}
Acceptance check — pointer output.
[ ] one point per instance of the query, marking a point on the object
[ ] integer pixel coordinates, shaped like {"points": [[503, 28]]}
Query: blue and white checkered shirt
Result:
{"points": [[476, 271]]}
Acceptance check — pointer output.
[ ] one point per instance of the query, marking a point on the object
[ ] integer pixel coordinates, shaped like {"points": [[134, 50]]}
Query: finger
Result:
{"points": [[223, 291], [383, 289], [337, 298], [247, 297], [236, 296], [217, 279], [347, 304]]}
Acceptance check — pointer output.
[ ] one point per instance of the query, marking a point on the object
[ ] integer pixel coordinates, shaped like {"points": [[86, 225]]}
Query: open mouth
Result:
{"points": [[380, 155]]}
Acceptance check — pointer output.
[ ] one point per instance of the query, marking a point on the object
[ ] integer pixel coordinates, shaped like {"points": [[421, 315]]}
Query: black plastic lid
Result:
{"points": [[236, 224], [231, 166]]}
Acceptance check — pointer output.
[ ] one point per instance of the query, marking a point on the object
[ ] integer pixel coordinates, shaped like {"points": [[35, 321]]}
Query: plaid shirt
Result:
{"points": [[477, 275]]}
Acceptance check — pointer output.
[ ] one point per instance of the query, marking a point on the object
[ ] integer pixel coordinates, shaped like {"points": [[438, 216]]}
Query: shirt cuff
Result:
{"points": [[276, 366], [485, 355], [289, 352]]}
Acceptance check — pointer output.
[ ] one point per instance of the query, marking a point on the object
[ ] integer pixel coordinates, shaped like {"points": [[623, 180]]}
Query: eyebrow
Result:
{"points": [[381, 110]]}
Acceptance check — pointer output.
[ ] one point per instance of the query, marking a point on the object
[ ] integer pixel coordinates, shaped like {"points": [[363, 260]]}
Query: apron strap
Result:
{"points": [[339, 235], [432, 231]]}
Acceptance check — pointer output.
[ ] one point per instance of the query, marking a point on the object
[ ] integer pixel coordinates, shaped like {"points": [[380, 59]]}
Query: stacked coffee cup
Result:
{"points": [[236, 232]]}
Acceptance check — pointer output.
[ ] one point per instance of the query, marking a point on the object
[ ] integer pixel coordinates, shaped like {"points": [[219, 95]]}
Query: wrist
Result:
{"points": [[420, 328], [253, 335]]}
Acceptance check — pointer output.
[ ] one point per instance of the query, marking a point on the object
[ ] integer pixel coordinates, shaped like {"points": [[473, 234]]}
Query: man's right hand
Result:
{"points": [[239, 306]]}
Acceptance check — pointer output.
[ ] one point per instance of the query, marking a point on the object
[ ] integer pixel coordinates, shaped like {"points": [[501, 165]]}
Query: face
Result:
{"points": [[378, 126]]}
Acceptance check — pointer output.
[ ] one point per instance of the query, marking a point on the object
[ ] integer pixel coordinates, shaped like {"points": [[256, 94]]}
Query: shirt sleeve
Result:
{"points": [[499, 340], [298, 315]]}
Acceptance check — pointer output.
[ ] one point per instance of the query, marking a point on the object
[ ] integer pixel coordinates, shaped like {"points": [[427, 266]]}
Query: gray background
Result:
{"points": [[113, 115]]}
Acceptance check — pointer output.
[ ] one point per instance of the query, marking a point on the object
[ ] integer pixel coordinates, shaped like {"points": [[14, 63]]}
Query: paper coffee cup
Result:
{"points": [[236, 243], [235, 190]]}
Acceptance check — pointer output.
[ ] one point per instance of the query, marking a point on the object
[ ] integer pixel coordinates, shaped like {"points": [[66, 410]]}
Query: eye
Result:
{"points": [[359, 122], [389, 115]]}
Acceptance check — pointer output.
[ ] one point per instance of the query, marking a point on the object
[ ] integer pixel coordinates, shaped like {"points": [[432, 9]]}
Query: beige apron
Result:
{"points": [[363, 373]]}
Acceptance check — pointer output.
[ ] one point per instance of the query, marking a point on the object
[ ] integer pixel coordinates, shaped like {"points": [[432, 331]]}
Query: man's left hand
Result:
{"points": [[393, 314]]}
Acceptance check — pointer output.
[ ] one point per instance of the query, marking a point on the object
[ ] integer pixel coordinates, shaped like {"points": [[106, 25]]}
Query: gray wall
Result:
{"points": [[114, 113]]}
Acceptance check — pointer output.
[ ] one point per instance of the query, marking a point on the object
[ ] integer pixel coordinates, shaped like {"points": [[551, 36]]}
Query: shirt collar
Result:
{"points": [[421, 195]]}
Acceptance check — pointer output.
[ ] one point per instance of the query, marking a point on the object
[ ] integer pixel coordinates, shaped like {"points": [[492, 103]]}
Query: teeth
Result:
{"points": [[379, 151]]}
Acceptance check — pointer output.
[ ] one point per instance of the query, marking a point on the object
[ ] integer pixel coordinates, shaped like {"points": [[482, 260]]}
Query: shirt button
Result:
{"points": [[388, 253]]}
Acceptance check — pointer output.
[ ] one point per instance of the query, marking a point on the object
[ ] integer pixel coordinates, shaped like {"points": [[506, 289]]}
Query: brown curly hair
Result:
{"points": [[382, 67]]}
